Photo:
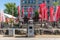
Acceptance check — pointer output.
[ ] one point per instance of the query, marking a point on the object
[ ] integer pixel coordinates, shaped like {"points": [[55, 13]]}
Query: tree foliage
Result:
{"points": [[36, 17], [11, 9], [55, 3]]}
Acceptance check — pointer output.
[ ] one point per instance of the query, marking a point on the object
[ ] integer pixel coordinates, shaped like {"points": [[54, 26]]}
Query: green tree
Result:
{"points": [[36, 17], [55, 3], [11, 9]]}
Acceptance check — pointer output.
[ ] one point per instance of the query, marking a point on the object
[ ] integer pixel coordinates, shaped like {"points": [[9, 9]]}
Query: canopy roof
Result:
{"points": [[8, 15]]}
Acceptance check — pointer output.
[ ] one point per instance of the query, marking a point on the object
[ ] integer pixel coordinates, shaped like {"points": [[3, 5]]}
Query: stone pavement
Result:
{"points": [[29, 38], [39, 37]]}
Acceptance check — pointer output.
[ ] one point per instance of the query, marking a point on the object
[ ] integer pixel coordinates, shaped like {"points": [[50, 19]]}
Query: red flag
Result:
{"points": [[51, 14], [45, 14], [57, 14], [30, 10], [2, 17], [18, 10], [22, 12], [42, 7], [28, 13]]}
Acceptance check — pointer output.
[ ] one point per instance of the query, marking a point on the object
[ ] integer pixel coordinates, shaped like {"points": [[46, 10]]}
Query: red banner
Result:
{"points": [[42, 7], [22, 12], [45, 14], [28, 13], [30, 10], [51, 18], [18, 10], [57, 14]]}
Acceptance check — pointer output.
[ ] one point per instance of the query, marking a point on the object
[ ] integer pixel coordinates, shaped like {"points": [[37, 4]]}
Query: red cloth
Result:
{"points": [[18, 10], [45, 14], [28, 13], [51, 14], [30, 10], [42, 7], [57, 14], [22, 12]]}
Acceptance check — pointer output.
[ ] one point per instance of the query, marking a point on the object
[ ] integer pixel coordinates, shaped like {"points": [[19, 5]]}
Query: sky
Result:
{"points": [[2, 2]]}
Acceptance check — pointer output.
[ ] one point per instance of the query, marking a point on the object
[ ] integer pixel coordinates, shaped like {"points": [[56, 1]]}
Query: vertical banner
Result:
{"points": [[57, 14], [23, 12], [42, 7], [30, 12], [18, 11], [51, 18], [2, 17], [45, 14]]}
